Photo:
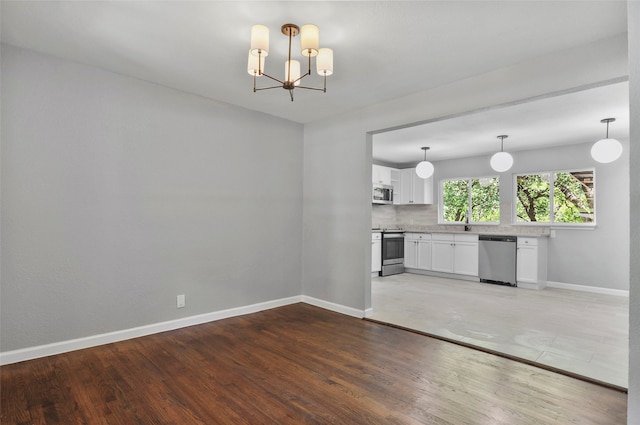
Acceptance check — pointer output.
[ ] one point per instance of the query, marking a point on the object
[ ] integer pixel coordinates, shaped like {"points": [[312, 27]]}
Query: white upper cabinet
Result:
{"points": [[413, 189], [395, 182], [380, 174]]}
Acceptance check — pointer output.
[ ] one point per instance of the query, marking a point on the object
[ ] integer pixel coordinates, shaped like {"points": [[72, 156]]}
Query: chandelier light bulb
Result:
{"points": [[606, 150]]}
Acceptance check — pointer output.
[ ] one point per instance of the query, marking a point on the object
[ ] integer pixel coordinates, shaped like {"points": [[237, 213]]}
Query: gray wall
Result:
{"points": [[598, 257], [118, 194], [633, 401]]}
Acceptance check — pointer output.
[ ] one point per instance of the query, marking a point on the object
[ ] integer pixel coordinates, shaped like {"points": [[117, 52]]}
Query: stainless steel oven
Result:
{"points": [[392, 252]]}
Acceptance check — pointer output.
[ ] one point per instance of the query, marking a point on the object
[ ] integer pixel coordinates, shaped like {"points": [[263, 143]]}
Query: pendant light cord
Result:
{"points": [[502, 142]]}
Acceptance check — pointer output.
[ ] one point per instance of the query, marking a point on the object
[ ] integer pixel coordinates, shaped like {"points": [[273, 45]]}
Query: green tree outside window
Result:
{"points": [[568, 194], [478, 199]]}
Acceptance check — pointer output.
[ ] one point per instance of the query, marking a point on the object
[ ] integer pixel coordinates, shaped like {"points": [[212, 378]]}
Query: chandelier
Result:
{"points": [[309, 36]]}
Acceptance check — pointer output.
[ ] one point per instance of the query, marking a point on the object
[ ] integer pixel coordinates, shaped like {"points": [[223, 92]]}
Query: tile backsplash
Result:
{"points": [[389, 216], [424, 218]]}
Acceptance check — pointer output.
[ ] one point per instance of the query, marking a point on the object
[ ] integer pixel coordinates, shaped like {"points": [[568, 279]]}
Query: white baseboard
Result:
{"points": [[584, 288], [29, 353], [338, 308], [368, 312]]}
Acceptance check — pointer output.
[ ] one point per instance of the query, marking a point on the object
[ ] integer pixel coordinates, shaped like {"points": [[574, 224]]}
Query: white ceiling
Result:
{"points": [[569, 118], [382, 50]]}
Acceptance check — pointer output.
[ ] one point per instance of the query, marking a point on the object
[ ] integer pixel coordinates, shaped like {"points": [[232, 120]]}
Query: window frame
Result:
{"points": [[552, 223], [469, 180]]}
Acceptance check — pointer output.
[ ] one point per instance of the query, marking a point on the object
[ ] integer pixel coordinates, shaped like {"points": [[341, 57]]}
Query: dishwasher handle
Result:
{"points": [[498, 238]]}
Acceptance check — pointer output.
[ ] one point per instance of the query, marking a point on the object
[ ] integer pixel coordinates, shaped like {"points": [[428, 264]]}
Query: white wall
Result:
{"points": [[118, 194], [633, 400]]}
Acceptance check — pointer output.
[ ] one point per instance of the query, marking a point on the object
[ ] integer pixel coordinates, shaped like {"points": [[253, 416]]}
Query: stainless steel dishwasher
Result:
{"points": [[497, 259]]}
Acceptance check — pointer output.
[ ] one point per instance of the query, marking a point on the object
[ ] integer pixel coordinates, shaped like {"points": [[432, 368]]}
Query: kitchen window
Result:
{"points": [[560, 197], [473, 200]]}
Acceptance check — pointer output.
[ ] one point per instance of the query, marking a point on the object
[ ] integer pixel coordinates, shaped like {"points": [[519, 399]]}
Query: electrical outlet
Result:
{"points": [[180, 301]]}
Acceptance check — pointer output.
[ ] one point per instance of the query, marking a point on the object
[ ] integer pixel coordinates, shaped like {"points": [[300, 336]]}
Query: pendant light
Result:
{"points": [[501, 161], [424, 169], [606, 150]]}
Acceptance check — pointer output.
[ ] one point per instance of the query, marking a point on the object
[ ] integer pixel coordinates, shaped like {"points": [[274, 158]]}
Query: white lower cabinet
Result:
{"points": [[442, 253], [465, 258], [417, 251], [376, 252], [531, 263], [454, 253]]}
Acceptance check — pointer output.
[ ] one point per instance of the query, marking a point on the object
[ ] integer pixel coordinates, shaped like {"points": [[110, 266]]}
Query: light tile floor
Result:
{"points": [[580, 332]]}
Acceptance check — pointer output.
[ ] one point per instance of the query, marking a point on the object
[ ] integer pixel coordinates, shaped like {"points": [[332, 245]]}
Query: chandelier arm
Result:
{"points": [[275, 79], [301, 77], [267, 88], [310, 88]]}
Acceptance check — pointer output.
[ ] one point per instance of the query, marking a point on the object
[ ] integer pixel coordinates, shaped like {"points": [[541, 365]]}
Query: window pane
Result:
{"points": [[485, 200], [533, 200], [455, 197], [573, 197]]}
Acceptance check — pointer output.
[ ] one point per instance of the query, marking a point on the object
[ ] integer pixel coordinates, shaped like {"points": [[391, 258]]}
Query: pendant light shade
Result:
{"points": [[309, 40], [260, 40], [292, 72], [501, 161], [324, 61], [606, 150], [424, 169], [255, 65]]}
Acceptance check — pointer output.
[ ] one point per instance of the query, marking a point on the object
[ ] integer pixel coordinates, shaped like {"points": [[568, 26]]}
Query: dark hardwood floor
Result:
{"points": [[297, 364]]}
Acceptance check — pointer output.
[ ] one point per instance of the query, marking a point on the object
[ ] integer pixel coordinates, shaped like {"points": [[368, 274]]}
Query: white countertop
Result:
{"points": [[523, 231]]}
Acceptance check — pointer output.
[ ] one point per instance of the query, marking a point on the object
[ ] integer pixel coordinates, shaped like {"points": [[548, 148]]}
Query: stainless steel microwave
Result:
{"points": [[382, 194]]}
